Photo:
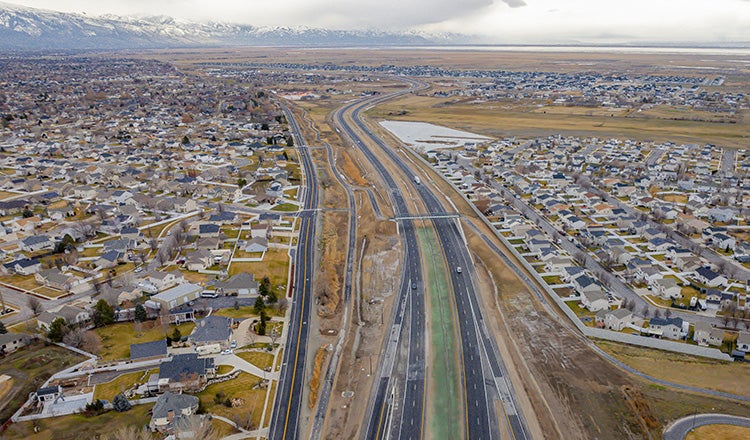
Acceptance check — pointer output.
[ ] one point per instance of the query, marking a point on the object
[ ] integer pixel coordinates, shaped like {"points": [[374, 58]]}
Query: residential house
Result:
{"points": [[164, 280], [170, 409], [212, 330], [24, 266], [198, 260], [666, 288], [617, 319], [594, 300], [256, 245], [149, 350], [241, 284], [10, 342], [185, 372], [710, 278], [36, 243], [670, 328], [70, 314], [584, 283], [109, 259], [571, 272], [705, 334], [48, 394], [175, 297], [208, 230], [260, 230], [55, 279]]}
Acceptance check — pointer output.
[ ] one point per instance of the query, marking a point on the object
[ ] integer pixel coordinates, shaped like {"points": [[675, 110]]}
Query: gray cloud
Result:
{"points": [[519, 3]]}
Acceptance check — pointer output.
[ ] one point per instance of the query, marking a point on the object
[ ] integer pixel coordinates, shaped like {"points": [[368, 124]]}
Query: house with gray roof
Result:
{"points": [[149, 350], [212, 330], [241, 284], [175, 297], [185, 372], [170, 409]]}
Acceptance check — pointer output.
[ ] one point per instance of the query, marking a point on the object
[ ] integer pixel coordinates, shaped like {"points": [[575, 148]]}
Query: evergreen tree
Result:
{"points": [[104, 314], [140, 313], [121, 403], [259, 305], [57, 330]]}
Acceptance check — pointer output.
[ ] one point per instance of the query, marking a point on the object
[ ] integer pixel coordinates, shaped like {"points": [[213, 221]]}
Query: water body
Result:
{"points": [[425, 137], [738, 51]]}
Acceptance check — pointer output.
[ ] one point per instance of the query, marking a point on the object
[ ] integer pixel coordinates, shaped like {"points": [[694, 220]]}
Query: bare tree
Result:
{"points": [[657, 313], [645, 311], [74, 338], [35, 305]]}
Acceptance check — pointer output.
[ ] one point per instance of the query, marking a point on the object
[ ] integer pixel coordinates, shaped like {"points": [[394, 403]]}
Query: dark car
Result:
{"points": [[413, 285]]}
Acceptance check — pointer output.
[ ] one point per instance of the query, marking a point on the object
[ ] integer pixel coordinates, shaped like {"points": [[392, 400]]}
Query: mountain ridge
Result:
{"points": [[25, 28]]}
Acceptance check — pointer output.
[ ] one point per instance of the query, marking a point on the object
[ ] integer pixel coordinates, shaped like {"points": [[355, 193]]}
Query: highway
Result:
{"points": [[483, 374], [410, 332], [285, 418]]}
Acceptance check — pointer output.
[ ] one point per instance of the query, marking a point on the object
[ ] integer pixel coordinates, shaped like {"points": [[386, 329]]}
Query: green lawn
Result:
{"points": [[243, 387], [30, 367], [79, 427], [261, 359], [285, 207], [108, 390], [116, 338], [275, 265]]}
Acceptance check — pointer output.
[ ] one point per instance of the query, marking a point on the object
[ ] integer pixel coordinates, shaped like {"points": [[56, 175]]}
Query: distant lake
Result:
{"points": [[426, 137], [740, 51]]}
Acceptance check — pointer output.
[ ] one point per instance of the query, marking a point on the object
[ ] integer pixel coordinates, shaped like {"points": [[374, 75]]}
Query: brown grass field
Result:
{"points": [[719, 432], [730, 377], [512, 119]]}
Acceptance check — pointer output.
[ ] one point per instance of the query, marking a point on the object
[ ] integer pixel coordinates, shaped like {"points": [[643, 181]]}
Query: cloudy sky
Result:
{"points": [[495, 21]]}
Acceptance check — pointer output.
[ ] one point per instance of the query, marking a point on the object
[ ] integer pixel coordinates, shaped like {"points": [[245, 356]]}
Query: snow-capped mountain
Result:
{"points": [[23, 28]]}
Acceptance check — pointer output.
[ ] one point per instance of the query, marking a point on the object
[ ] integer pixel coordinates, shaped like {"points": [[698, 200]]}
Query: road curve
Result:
{"points": [[679, 429]]}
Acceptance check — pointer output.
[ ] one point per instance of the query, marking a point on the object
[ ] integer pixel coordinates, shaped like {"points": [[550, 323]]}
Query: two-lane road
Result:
{"points": [[285, 419]]}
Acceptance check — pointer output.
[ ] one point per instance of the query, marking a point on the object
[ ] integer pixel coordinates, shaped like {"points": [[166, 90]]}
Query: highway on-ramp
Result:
{"points": [[679, 429]]}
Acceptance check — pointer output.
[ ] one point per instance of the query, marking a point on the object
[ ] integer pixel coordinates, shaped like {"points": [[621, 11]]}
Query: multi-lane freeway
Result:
{"points": [[285, 419], [483, 372], [413, 386]]}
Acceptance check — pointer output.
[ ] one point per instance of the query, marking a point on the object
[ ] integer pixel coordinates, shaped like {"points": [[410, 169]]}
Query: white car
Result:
{"points": [[138, 269], [226, 351], [458, 269]]}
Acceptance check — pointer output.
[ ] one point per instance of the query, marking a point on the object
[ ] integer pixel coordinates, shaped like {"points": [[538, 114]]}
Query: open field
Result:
{"points": [[719, 432], [501, 119], [29, 367], [275, 265], [730, 377], [116, 338], [79, 427]]}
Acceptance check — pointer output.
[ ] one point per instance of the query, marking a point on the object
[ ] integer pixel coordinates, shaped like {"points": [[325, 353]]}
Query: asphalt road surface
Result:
{"points": [[680, 429], [288, 403]]}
